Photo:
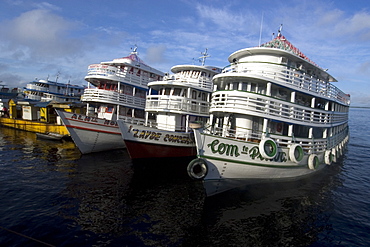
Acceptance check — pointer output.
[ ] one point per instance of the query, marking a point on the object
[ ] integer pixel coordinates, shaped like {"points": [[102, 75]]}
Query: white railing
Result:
{"points": [[309, 145], [112, 97], [272, 108], [202, 82], [115, 74], [293, 78], [176, 104]]}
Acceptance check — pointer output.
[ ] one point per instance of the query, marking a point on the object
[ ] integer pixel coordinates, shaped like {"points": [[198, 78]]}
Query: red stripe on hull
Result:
{"points": [[94, 130], [139, 150]]}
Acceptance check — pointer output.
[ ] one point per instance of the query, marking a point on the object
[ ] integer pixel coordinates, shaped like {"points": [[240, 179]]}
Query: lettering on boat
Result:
{"points": [[159, 136], [84, 118], [233, 150], [222, 148], [93, 119]]}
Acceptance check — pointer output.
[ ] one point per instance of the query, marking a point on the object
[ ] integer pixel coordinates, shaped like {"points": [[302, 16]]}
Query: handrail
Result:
{"points": [[291, 77], [309, 145], [178, 104], [112, 97], [201, 82], [268, 107]]}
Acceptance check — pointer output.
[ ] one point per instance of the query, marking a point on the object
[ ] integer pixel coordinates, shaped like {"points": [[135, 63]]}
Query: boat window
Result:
{"points": [[284, 60], [167, 91], [194, 94], [177, 92], [253, 87], [204, 96]]}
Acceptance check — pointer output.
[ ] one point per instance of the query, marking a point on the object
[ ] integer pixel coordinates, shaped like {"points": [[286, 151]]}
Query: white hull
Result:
{"points": [[149, 142], [91, 134], [233, 163]]}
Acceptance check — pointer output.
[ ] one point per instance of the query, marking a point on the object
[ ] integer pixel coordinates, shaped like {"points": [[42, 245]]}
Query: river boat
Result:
{"points": [[275, 115], [116, 90], [173, 106], [47, 90]]}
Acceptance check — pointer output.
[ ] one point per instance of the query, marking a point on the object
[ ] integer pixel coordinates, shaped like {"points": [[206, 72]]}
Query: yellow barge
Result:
{"points": [[34, 126], [38, 117]]}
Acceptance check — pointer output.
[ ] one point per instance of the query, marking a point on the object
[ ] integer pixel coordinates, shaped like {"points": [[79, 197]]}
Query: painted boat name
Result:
{"points": [[93, 119], [153, 135], [233, 150]]}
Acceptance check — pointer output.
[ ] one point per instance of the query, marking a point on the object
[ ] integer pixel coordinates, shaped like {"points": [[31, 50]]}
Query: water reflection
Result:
{"points": [[275, 214], [103, 199]]}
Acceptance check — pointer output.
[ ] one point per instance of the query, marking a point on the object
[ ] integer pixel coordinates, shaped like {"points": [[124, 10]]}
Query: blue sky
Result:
{"points": [[43, 38]]}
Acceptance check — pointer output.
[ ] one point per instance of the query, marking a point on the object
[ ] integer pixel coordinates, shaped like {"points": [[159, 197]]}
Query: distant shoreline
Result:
{"points": [[359, 107]]}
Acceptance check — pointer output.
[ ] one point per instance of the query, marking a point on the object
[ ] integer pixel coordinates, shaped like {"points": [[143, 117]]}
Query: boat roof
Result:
{"points": [[280, 42], [212, 69], [54, 83], [280, 45], [133, 60]]}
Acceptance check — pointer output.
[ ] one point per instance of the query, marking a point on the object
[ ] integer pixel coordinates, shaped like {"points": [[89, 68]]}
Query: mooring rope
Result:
{"points": [[22, 235]]}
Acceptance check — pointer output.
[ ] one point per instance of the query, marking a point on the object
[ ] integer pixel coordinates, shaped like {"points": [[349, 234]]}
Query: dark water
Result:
{"points": [[53, 195]]}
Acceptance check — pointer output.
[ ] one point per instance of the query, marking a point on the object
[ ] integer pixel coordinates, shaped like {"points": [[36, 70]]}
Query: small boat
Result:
{"points": [[275, 115], [173, 105], [50, 136]]}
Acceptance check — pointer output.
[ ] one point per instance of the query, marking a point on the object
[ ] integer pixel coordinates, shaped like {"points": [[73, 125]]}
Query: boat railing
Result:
{"points": [[201, 82], [175, 103], [273, 108], [112, 97], [293, 78], [132, 120], [115, 74], [309, 145]]}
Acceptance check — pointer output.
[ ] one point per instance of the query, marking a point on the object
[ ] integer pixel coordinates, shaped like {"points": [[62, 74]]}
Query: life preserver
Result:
{"points": [[268, 148], [296, 153], [313, 161], [197, 169], [328, 157]]}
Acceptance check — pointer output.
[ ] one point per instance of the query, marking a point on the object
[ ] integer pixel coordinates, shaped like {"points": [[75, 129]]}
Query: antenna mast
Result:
{"points": [[202, 59]]}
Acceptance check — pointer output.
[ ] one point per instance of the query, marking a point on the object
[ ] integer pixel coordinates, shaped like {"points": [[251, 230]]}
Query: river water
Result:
{"points": [[53, 196]]}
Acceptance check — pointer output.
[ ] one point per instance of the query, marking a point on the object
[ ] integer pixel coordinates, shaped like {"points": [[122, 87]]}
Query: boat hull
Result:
{"points": [[147, 142], [231, 163], [91, 134]]}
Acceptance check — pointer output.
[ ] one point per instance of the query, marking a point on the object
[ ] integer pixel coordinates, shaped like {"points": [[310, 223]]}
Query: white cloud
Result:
{"points": [[155, 54], [40, 34]]}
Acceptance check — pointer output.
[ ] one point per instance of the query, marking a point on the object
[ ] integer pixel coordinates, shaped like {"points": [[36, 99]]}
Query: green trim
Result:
{"points": [[274, 148], [248, 163], [300, 153]]}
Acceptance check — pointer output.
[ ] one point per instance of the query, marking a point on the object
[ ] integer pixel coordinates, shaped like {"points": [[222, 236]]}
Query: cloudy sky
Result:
{"points": [[45, 38]]}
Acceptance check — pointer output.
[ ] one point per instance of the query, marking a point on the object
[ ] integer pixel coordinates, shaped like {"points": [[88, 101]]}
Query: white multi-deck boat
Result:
{"points": [[116, 90], [46, 90], [172, 106], [275, 115]]}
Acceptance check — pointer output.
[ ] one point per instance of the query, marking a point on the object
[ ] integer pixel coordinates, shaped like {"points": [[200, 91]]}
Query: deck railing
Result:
{"points": [[272, 108], [176, 104], [309, 145], [202, 82], [115, 74], [112, 97], [293, 78]]}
